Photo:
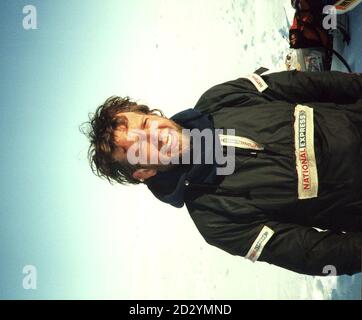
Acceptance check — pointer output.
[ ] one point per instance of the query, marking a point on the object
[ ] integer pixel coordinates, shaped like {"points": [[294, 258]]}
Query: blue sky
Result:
{"points": [[50, 79]]}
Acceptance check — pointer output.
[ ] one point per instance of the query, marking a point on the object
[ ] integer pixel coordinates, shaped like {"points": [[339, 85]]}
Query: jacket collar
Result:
{"points": [[169, 187]]}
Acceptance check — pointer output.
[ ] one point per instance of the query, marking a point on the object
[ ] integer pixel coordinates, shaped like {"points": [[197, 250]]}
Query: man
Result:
{"points": [[293, 197]]}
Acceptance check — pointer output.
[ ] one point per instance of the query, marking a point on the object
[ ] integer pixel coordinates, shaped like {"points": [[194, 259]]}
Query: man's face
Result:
{"points": [[148, 138]]}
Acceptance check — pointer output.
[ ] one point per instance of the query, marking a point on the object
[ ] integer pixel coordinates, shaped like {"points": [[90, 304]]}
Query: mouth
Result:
{"points": [[168, 139]]}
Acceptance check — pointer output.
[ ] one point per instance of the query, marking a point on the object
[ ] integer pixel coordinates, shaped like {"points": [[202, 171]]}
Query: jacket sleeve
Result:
{"points": [[297, 248], [289, 86], [327, 86]]}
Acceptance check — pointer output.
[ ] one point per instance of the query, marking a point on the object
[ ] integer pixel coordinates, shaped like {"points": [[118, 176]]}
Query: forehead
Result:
{"points": [[119, 154], [119, 142], [122, 122]]}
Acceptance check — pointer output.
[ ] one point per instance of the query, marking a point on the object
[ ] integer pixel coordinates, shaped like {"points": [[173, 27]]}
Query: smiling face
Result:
{"points": [[150, 140]]}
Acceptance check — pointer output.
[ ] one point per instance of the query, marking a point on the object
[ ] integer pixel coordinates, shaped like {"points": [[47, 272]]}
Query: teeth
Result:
{"points": [[169, 140], [165, 139]]}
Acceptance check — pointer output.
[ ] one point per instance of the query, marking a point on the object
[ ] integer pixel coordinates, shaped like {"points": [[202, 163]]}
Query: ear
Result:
{"points": [[144, 174]]}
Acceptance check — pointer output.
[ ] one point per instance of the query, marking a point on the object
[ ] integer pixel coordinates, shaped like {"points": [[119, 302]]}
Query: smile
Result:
{"points": [[167, 139]]}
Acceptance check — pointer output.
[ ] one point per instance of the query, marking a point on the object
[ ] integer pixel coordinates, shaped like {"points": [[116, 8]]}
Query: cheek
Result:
{"points": [[163, 122], [150, 152]]}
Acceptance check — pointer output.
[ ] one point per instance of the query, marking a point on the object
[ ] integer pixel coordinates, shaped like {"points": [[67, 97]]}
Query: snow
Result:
{"points": [[202, 43]]}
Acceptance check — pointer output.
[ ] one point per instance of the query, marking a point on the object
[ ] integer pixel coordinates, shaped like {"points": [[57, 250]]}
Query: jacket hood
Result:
{"points": [[169, 186]]}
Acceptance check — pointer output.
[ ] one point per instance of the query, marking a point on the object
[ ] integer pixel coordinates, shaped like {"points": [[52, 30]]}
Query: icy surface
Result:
{"points": [[217, 41]]}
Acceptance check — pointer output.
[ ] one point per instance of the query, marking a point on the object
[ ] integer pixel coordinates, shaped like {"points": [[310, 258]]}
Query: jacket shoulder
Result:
{"points": [[233, 93]]}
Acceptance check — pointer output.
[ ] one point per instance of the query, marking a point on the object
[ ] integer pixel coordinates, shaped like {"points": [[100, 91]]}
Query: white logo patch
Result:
{"points": [[259, 244], [258, 82], [304, 153]]}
